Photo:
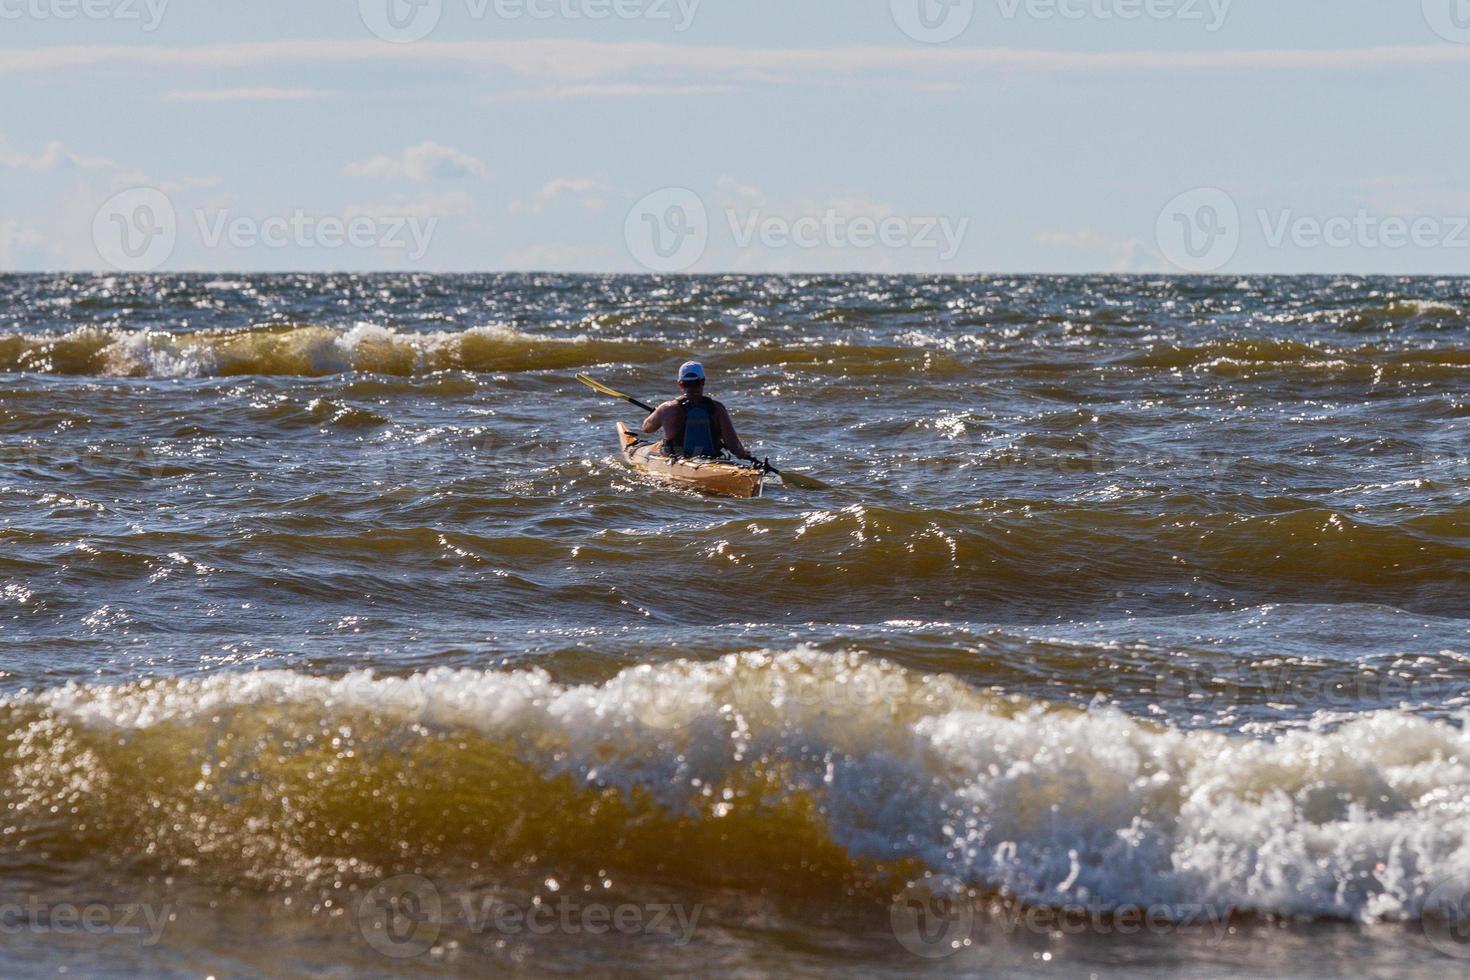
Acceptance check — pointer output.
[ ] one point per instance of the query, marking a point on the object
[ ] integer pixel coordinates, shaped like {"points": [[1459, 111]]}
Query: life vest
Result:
{"points": [[699, 432]]}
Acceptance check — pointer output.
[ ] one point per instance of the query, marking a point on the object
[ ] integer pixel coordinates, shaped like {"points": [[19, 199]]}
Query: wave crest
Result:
{"points": [[793, 773]]}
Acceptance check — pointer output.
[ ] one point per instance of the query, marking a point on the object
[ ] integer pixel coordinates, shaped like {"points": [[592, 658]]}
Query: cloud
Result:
{"points": [[260, 94], [1114, 254], [733, 194], [628, 90], [427, 161], [426, 208], [14, 237], [584, 191], [552, 257], [574, 65], [54, 156]]}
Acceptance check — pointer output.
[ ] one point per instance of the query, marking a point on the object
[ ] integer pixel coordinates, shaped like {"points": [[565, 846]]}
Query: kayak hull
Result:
{"points": [[706, 476]]}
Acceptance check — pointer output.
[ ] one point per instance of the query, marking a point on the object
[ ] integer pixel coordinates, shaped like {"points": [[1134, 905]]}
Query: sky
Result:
{"points": [[931, 136]]}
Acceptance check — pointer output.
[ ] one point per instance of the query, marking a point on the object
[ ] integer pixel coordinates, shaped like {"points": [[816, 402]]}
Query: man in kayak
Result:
{"points": [[695, 425]]}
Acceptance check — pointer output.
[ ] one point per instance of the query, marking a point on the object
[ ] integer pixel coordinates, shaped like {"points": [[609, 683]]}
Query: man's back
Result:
{"points": [[695, 425]]}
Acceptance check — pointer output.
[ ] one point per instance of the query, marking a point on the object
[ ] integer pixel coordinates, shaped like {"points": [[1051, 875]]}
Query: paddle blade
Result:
{"points": [[598, 386], [802, 482]]}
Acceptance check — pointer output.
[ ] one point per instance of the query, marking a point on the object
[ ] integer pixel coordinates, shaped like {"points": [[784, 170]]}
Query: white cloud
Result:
{"points": [[556, 258], [427, 161], [15, 236], [424, 208], [733, 194], [1112, 254], [585, 192], [604, 90], [260, 94], [54, 156], [575, 64]]}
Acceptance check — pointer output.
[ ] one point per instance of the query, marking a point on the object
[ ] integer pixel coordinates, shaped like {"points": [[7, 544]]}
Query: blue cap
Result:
{"points": [[691, 371]]}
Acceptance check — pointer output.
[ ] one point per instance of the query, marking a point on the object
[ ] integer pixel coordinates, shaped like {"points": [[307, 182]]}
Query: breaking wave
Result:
{"points": [[784, 772]]}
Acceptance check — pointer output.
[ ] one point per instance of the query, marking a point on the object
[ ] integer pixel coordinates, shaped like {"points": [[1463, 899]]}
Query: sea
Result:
{"points": [[1131, 639]]}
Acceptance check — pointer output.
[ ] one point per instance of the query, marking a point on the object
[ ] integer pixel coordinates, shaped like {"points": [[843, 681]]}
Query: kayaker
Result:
{"points": [[695, 425]]}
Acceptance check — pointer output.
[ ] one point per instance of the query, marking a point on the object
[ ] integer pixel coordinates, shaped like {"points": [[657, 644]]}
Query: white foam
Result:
{"points": [[324, 350], [1051, 805]]}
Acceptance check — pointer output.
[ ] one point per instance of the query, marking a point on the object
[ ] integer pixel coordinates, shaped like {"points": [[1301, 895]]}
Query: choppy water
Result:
{"points": [[1131, 594]]}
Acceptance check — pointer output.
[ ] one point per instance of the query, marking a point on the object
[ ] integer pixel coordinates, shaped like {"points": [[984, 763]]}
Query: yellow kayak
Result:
{"points": [[705, 475]]}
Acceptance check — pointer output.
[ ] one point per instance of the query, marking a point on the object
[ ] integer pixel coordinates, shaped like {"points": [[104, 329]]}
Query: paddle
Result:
{"points": [[796, 479], [790, 479], [596, 385]]}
